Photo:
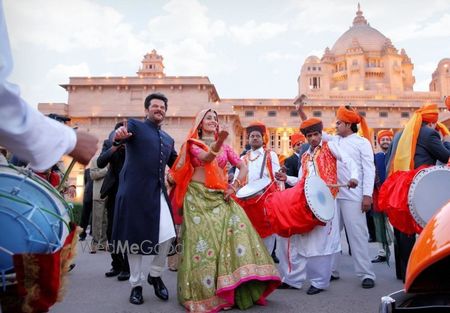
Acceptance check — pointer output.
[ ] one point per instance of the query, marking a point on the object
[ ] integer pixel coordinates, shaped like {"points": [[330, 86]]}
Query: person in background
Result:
{"points": [[99, 221]]}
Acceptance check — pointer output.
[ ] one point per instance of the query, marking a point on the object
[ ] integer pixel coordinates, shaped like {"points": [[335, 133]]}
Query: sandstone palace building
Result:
{"points": [[363, 68]]}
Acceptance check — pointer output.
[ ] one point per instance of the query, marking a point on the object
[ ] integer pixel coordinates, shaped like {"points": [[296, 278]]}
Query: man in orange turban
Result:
{"points": [[352, 204], [315, 247], [418, 144], [349, 116], [376, 221], [261, 163]]}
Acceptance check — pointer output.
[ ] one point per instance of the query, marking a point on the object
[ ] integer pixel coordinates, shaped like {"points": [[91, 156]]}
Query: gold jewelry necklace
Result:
{"points": [[250, 159], [208, 140]]}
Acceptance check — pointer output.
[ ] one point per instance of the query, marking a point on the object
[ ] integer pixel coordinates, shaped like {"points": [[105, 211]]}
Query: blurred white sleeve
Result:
{"points": [[25, 131]]}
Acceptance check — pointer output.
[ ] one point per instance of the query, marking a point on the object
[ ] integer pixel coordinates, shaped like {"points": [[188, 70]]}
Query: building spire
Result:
{"points": [[359, 18], [152, 65]]}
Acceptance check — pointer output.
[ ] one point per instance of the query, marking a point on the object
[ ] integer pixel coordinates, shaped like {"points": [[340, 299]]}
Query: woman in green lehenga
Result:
{"points": [[224, 262]]}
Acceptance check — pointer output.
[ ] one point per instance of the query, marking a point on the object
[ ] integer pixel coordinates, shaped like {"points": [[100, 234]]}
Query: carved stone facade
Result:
{"points": [[363, 68]]}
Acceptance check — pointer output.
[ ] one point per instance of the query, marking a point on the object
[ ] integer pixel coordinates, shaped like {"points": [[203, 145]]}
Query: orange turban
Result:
{"points": [[311, 125], [261, 127], [296, 138], [447, 102], [430, 113], [352, 117], [406, 148], [384, 133]]}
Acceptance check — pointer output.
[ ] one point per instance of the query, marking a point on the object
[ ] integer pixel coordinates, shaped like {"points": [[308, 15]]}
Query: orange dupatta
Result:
{"points": [[182, 170]]}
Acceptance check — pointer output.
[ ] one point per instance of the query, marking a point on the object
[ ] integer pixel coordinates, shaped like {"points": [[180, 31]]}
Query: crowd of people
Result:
{"points": [[139, 187]]}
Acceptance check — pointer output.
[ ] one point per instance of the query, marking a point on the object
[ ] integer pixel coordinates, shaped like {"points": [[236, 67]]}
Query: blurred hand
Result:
{"points": [[223, 135], [352, 183], [366, 204], [227, 194], [85, 147], [281, 176], [122, 133]]}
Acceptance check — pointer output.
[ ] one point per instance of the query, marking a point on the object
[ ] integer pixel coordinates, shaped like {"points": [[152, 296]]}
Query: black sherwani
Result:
{"points": [[148, 151]]}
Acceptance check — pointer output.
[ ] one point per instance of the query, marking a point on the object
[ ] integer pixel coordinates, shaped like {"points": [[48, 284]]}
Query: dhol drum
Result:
{"points": [[33, 216], [253, 189], [428, 192], [252, 198], [319, 198], [299, 209]]}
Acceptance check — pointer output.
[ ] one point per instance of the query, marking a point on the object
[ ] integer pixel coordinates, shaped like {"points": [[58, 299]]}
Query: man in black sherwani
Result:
{"points": [[143, 222]]}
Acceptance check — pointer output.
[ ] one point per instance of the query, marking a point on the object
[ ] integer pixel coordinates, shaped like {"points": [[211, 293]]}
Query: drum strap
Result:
{"points": [[263, 165]]}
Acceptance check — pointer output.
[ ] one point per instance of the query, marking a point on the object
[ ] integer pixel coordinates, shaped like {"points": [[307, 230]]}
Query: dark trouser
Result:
{"points": [[119, 260], [403, 247], [370, 225], [86, 214]]}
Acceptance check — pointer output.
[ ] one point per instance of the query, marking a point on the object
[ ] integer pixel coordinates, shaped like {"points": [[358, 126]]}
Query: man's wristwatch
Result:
{"points": [[116, 143]]}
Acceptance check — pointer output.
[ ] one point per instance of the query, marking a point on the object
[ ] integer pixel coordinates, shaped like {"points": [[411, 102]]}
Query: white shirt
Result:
{"points": [[254, 167], [25, 131], [340, 156], [325, 240], [360, 151]]}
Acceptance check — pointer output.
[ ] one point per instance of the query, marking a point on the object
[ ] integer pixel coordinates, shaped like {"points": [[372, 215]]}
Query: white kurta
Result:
{"points": [[324, 240], [24, 131], [255, 164]]}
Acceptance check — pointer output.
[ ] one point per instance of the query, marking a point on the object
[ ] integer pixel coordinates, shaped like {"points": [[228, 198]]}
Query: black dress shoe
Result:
{"points": [[334, 278], [368, 283], [286, 286], [313, 290], [160, 289], [112, 272], [82, 236], [136, 295], [123, 276], [379, 259]]}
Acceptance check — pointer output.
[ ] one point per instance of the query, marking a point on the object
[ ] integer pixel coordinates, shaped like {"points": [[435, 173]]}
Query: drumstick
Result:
{"points": [[66, 175], [337, 185]]}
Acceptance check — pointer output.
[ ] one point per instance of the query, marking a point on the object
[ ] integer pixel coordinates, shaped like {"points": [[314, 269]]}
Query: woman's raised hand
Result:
{"points": [[223, 134]]}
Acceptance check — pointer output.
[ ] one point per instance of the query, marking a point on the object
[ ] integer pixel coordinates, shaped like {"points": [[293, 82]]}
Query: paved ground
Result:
{"points": [[89, 291]]}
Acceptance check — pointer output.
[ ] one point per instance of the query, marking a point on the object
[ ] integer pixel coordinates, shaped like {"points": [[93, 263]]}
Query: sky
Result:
{"points": [[248, 49]]}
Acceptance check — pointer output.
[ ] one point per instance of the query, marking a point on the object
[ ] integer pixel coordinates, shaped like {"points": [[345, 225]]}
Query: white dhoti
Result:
{"points": [[158, 261], [316, 249]]}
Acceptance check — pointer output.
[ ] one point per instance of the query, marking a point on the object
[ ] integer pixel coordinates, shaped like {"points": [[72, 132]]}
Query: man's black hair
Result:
{"points": [[156, 95]]}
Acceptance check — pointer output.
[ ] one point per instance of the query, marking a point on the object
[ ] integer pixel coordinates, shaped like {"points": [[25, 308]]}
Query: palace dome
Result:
{"points": [[368, 38]]}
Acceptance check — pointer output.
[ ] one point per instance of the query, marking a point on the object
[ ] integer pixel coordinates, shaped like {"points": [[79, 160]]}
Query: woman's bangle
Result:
{"points": [[238, 182], [232, 187], [213, 152]]}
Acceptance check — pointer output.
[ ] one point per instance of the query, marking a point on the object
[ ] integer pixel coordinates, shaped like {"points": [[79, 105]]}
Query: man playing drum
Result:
{"points": [[313, 251], [261, 163], [417, 145]]}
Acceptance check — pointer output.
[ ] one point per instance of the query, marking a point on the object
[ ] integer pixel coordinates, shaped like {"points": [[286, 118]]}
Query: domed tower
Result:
{"points": [[362, 59], [311, 76], [440, 80], [152, 65]]}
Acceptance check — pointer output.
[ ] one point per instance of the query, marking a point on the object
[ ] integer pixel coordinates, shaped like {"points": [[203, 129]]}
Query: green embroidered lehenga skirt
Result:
{"points": [[224, 262]]}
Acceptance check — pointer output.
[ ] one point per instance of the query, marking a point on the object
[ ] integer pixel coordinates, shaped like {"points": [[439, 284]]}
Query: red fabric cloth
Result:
{"points": [[177, 212], [326, 164], [393, 200], [254, 208], [288, 212], [39, 276]]}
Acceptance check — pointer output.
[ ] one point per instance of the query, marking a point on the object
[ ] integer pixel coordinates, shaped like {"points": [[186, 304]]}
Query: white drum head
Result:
{"points": [[429, 191], [253, 188], [319, 198]]}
